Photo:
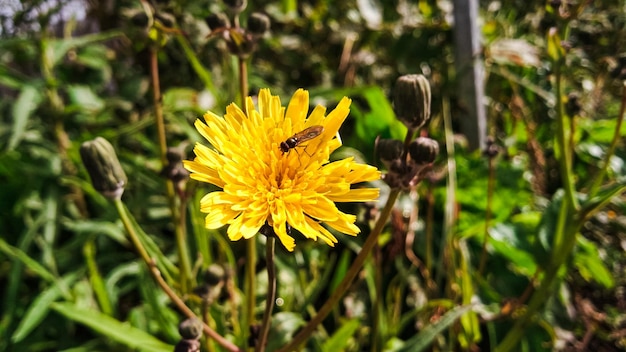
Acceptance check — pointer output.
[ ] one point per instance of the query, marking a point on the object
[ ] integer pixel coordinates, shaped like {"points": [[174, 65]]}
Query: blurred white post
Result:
{"points": [[470, 72]]}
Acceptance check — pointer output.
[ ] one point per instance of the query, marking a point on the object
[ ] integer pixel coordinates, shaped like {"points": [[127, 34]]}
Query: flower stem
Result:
{"points": [[271, 293], [156, 274], [347, 280], [181, 238]]}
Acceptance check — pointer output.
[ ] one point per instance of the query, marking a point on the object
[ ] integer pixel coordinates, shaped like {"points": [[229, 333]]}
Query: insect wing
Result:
{"points": [[308, 134]]}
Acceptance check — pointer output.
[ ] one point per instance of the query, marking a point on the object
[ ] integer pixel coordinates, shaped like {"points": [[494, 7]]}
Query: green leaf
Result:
{"points": [[58, 48], [589, 264], [340, 339], [40, 307], [30, 263], [118, 331], [27, 102], [603, 197], [83, 98], [505, 239], [425, 337]]}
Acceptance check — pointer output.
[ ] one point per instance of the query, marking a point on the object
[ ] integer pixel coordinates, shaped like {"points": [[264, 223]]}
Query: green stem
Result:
{"points": [[566, 229], [243, 80], [490, 187], [343, 286], [271, 293], [99, 287], [156, 274], [177, 218], [563, 135]]}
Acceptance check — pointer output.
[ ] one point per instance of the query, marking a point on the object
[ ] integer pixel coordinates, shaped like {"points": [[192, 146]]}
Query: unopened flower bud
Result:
{"points": [[140, 19], [166, 19], [389, 149], [492, 149], [217, 20], [214, 275], [411, 100], [236, 6], [187, 346], [258, 24], [423, 150], [100, 160], [190, 329]]}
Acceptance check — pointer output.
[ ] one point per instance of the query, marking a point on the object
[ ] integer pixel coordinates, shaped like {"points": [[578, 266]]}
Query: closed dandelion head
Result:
{"points": [[272, 165]]}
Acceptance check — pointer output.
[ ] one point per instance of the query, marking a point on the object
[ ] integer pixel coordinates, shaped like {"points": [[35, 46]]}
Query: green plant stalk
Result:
{"points": [[597, 181], [156, 274], [490, 187], [352, 272], [99, 287], [271, 293], [451, 184], [243, 80], [201, 71], [541, 295], [563, 136], [177, 218], [568, 225]]}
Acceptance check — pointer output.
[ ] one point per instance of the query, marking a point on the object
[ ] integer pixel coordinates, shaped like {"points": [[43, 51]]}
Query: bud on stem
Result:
{"points": [[411, 100], [100, 160]]}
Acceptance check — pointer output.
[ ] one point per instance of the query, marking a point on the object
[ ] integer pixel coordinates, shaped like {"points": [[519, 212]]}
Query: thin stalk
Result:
{"points": [[490, 187], [597, 181], [563, 134], [156, 274], [352, 272], [271, 293], [566, 229], [97, 282], [377, 301], [179, 224], [243, 80]]}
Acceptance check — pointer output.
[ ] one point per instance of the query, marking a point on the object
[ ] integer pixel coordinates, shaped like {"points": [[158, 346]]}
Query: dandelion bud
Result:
{"points": [[140, 20], [107, 175], [258, 24], [411, 100], [190, 329], [214, 275], [236, 6], [389, 149], [423, 150], [492, 149], [174, 169], [187, 346], [166, 19], [217, 20]]}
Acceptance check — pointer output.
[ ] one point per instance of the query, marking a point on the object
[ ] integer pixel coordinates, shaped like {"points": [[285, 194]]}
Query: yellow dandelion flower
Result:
{"points": [[272, 165]]}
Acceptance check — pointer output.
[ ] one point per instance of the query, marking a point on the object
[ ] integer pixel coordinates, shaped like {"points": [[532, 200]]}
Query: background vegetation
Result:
{"points": [[518, 247]]}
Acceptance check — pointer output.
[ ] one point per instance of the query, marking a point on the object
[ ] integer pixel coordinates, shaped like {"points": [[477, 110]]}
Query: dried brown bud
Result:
{"points": [[190, 329], [423, 150], [214, 275], [236, 6], [389, 149], [100, 160], [258, 24], [217, 20], [411, 100]]}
